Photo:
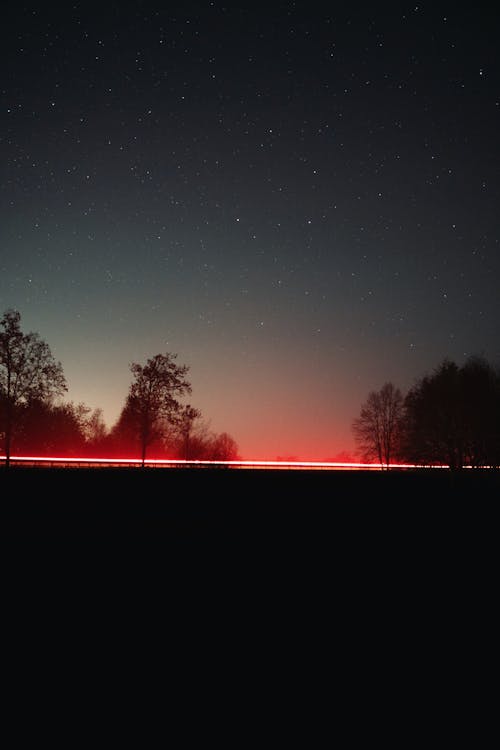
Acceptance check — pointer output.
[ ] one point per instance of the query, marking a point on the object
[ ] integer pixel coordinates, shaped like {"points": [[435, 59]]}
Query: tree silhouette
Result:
{"points": [[28, 372], [94, 430], [44, 429], [185, 421], [453, 416], [223, 448], [190, 439], [152, 398], [434, 419], [480, 384], [377, 429]]}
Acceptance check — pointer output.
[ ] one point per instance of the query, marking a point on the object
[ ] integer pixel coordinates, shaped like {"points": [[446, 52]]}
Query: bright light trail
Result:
{"points": [[180, 463]]}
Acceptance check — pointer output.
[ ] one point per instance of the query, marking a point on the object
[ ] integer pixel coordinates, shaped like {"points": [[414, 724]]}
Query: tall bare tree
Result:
{"points": [[185, 422], [94, 428], [152, 398], [28, 372], [376, 430]]}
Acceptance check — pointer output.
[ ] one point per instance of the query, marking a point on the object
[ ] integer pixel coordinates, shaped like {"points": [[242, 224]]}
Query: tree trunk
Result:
{"points": [[8, 434]]}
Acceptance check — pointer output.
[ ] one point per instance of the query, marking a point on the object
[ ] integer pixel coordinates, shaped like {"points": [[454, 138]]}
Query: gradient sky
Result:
{"points": [[300, 199]]}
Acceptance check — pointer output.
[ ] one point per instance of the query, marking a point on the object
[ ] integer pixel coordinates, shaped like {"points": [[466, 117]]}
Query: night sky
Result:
{"points": [[301, 200]]}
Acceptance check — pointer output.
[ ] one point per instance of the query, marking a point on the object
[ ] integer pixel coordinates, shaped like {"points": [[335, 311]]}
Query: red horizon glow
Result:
{"points": [[259, 464]]}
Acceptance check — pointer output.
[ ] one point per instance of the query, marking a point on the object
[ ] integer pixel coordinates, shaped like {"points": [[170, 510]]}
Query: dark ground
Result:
{"points": [[375, 540], [236, 510], [283, 527], [238, 505], [367, 593]]}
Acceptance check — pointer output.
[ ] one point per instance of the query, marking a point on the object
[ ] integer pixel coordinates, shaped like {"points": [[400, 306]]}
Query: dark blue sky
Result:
{"points": [[299, 199]]}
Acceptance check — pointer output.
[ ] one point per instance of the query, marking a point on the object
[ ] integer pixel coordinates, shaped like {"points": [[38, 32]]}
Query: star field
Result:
{"points": [[300, 200]]}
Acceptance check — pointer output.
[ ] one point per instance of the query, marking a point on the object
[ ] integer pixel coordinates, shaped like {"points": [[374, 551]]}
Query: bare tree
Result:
{"points": [[185, 422], [376, 430], [223, 447], [152, 398], [28, 372], [93, 427]]}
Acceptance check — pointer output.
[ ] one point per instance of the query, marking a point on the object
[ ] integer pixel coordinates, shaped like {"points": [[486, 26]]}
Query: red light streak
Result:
{"points": [[180, 463]]}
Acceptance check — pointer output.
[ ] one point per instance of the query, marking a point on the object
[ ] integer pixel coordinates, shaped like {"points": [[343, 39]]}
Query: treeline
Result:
{"points": [[154, 421], [449, 417]]}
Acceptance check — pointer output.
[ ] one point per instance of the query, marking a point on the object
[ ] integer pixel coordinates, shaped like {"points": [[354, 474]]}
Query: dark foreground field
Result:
{"points": [[315, 532], [238, 506], [362, 592]]}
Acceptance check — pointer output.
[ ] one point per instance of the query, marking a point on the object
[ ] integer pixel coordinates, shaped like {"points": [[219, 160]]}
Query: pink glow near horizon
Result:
{"points": [[180, 462]]}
